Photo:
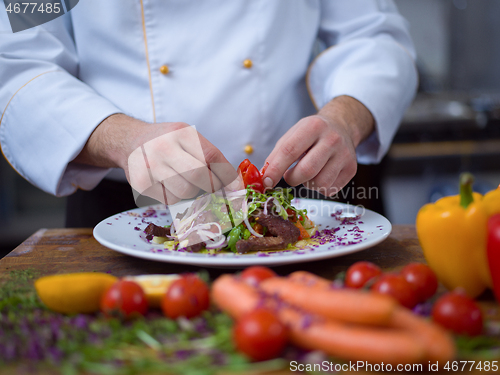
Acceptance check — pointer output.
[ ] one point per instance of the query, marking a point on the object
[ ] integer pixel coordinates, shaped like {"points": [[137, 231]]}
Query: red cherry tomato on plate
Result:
{"points": [[243, 166], [458, 313], [251, 175], [125, 299], [397, 287], [260, 335], [187, 296], [422, 279], [255, 274], [360, 273]]}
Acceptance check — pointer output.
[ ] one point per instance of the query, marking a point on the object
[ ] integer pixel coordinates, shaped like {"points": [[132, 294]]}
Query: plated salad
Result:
{"points": [[241, 221]]}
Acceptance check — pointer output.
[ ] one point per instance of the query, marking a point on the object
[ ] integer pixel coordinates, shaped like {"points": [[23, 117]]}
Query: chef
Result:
{"points": [[124, 89]]}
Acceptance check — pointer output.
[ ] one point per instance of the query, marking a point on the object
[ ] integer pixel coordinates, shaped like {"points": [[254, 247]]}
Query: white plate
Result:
{"points": [[124, 233]]}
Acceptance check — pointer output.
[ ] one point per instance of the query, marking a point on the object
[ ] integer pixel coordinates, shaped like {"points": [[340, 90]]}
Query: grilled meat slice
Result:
{"points": [[194, 248], [155, 230], [284, 233], [260, 243], [279, 227]]}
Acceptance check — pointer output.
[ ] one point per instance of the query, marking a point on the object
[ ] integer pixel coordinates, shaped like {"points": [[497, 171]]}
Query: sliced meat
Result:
{"points": [[284, 233], [279, 227], [195, 247], [155, 230], [260, 243]]}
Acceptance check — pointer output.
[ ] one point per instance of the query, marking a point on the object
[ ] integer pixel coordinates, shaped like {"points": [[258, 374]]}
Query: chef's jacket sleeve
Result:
{"points": [[369, 56], [48, 114]]}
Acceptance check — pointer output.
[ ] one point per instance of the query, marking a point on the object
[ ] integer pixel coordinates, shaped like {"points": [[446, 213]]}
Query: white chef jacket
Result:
{"points": [[239, 70]]}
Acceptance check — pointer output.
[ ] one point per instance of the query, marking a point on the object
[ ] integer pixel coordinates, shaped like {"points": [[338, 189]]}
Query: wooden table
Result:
{"points": [[52, 251]]}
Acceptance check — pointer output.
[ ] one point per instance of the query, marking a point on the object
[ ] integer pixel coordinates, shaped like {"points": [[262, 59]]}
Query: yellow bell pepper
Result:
{"points": [[453, 233]]}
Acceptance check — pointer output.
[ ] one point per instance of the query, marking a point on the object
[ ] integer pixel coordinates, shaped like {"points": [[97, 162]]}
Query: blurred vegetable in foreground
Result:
{"points": [[453, 234]]}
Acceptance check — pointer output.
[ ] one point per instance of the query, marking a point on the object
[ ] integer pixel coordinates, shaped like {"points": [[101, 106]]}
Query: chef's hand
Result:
{"points": [[165, 161], [324, 146]]}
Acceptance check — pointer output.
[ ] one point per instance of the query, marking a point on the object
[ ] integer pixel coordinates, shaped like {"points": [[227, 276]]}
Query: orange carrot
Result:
{"points": [[346, 305], [438, 343], [308, 278], [234, 296], [314, 332], [351, 342]]}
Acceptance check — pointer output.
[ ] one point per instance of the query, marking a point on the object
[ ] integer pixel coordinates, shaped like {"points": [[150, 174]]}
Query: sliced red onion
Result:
{"points": [[184, 228], [244, 207], [278, 205], [265, 204], [193, 212], [247, 223], [191, 230], [221, 243], [207, 235]]}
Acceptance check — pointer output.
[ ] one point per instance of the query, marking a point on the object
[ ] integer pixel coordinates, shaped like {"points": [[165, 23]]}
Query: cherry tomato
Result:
{"points": [[187, 296], [397, 287], [422, 279], [255, 274], [260, 334], [458, 313], [124, 299], [258, 228], [251, 175], [243, 165], [360, 273], [291, 215]]}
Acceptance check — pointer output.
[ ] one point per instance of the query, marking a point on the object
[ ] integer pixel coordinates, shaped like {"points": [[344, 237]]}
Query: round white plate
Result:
{"points": [[351, 228]]}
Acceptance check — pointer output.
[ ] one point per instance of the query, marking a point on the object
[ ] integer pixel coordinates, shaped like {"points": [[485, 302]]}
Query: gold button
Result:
{"points": [[164, 69], [248, 149], [247, 63]]}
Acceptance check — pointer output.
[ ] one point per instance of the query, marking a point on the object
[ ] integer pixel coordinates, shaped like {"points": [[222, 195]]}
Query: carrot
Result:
{"points": [[351, 342], [438, 343], [308, 278], [234, 296], [314, 332], [346, 305]]}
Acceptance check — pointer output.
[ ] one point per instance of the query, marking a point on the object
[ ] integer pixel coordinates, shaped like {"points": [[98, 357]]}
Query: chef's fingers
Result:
{"points": [[334, 176], [288, 150], [227, 175], [139, 172], [219, 166], [179, 186], [167, 158], [194, 171], [201, 149], [310, 165], [158, 192]]}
